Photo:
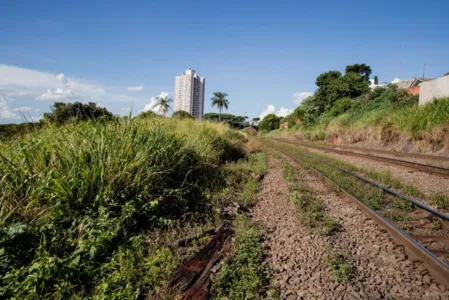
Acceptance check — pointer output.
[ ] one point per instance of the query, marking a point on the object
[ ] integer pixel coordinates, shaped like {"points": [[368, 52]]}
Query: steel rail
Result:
{"points": [[393, 153], [438, 269], [440, 171], [384, 188]]}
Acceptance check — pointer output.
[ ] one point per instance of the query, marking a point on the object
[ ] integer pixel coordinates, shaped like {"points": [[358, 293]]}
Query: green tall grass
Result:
{"points": [[412, 119], [76, 199]]}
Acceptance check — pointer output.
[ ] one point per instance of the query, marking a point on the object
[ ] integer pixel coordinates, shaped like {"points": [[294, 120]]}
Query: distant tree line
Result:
{"points": [[232, 120], [60, 114]]}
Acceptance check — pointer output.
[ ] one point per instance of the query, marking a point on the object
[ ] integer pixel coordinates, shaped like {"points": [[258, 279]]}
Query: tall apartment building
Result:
{"points": [[189, 93]]}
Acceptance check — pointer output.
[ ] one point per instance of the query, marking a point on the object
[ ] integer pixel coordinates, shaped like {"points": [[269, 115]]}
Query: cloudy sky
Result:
{"points": [[265, 55]]}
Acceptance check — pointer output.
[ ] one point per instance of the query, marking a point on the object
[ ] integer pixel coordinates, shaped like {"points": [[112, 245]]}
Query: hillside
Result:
{"points": [[345, 110]]}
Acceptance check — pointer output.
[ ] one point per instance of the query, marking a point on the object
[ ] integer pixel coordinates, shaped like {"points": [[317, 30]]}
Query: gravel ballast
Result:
{"points": [[296, 253]]}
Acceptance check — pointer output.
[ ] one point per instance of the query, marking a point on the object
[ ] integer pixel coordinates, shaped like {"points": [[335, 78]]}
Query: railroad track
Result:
{"points": [[434, 170], [413, 243], [392, 153]]}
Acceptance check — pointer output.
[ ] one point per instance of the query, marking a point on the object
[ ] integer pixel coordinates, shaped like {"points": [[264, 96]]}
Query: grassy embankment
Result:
{"points": [[399, 125], [87, 209]]}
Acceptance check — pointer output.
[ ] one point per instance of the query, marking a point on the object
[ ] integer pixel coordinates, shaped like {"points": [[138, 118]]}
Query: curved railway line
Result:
{"points": [[432, 258], [434, 170]]}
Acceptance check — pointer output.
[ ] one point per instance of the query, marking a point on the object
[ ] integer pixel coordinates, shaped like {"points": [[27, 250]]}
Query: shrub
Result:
{"points": [[147, 115], [80, 200], [64, 112], [270, 122], [180, 114]]}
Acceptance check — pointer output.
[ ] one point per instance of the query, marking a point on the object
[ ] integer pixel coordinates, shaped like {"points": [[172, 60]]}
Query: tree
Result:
{"points": [[63, 112], [362, 70], [163, 104], [255, 121], [219, 100], [270, 122], [180, 114], [376, 80], [147, 115]]}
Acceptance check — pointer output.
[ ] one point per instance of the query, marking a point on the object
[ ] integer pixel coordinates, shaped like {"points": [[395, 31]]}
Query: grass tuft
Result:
{"points": [[341, 268]]}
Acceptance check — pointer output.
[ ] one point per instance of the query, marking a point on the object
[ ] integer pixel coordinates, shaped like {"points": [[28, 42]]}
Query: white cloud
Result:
{"points": [[61, 77], [16, 81], [58, 94], [17, 94], [396, 80], [300, 96], [137, 88], [25, 109], [271, 109], [153, 101], [35, 86], [283, 112], [5, 111]]}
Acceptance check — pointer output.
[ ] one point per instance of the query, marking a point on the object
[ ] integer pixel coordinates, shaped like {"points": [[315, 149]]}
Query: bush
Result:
{"points": [[64, 112], [180, 114], [270, 122], [80, 200], [147, 115]]}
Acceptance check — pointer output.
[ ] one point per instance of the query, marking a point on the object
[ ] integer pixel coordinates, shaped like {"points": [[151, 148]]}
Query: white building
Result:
{"points": [[189, 93], [434, 89]]}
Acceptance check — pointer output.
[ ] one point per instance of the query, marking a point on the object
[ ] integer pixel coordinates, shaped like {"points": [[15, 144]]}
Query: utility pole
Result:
{"points": [[424, 72]]}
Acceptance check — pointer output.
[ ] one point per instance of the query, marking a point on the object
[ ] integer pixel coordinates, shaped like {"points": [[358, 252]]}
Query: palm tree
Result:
{"points": [[219, 100], [163, 103]]}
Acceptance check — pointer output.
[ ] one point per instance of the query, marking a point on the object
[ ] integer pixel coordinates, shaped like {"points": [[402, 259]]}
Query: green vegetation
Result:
{"points": [[341, 268], [163, 104], [345, 106], [231, 120], [243, 276], [8, 131], [147, 115], [309, 206], [371, 196], [436, 225], [219, 100], [180, 114], [85, 206], [65, 112], [441, 201], [270, 122], [244, 178]]}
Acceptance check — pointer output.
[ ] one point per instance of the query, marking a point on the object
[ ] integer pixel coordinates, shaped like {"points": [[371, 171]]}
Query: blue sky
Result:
{"points": [[262, 53]]}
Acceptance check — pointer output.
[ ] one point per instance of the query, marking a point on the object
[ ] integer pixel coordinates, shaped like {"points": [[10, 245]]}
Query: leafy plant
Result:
{"points": [[341, 268], [441, 201]]}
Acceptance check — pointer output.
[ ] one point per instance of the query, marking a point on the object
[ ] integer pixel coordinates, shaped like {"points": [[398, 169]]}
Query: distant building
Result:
{"points": [[189, 93], [373, 85], [412, 86], [432, 89]]}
